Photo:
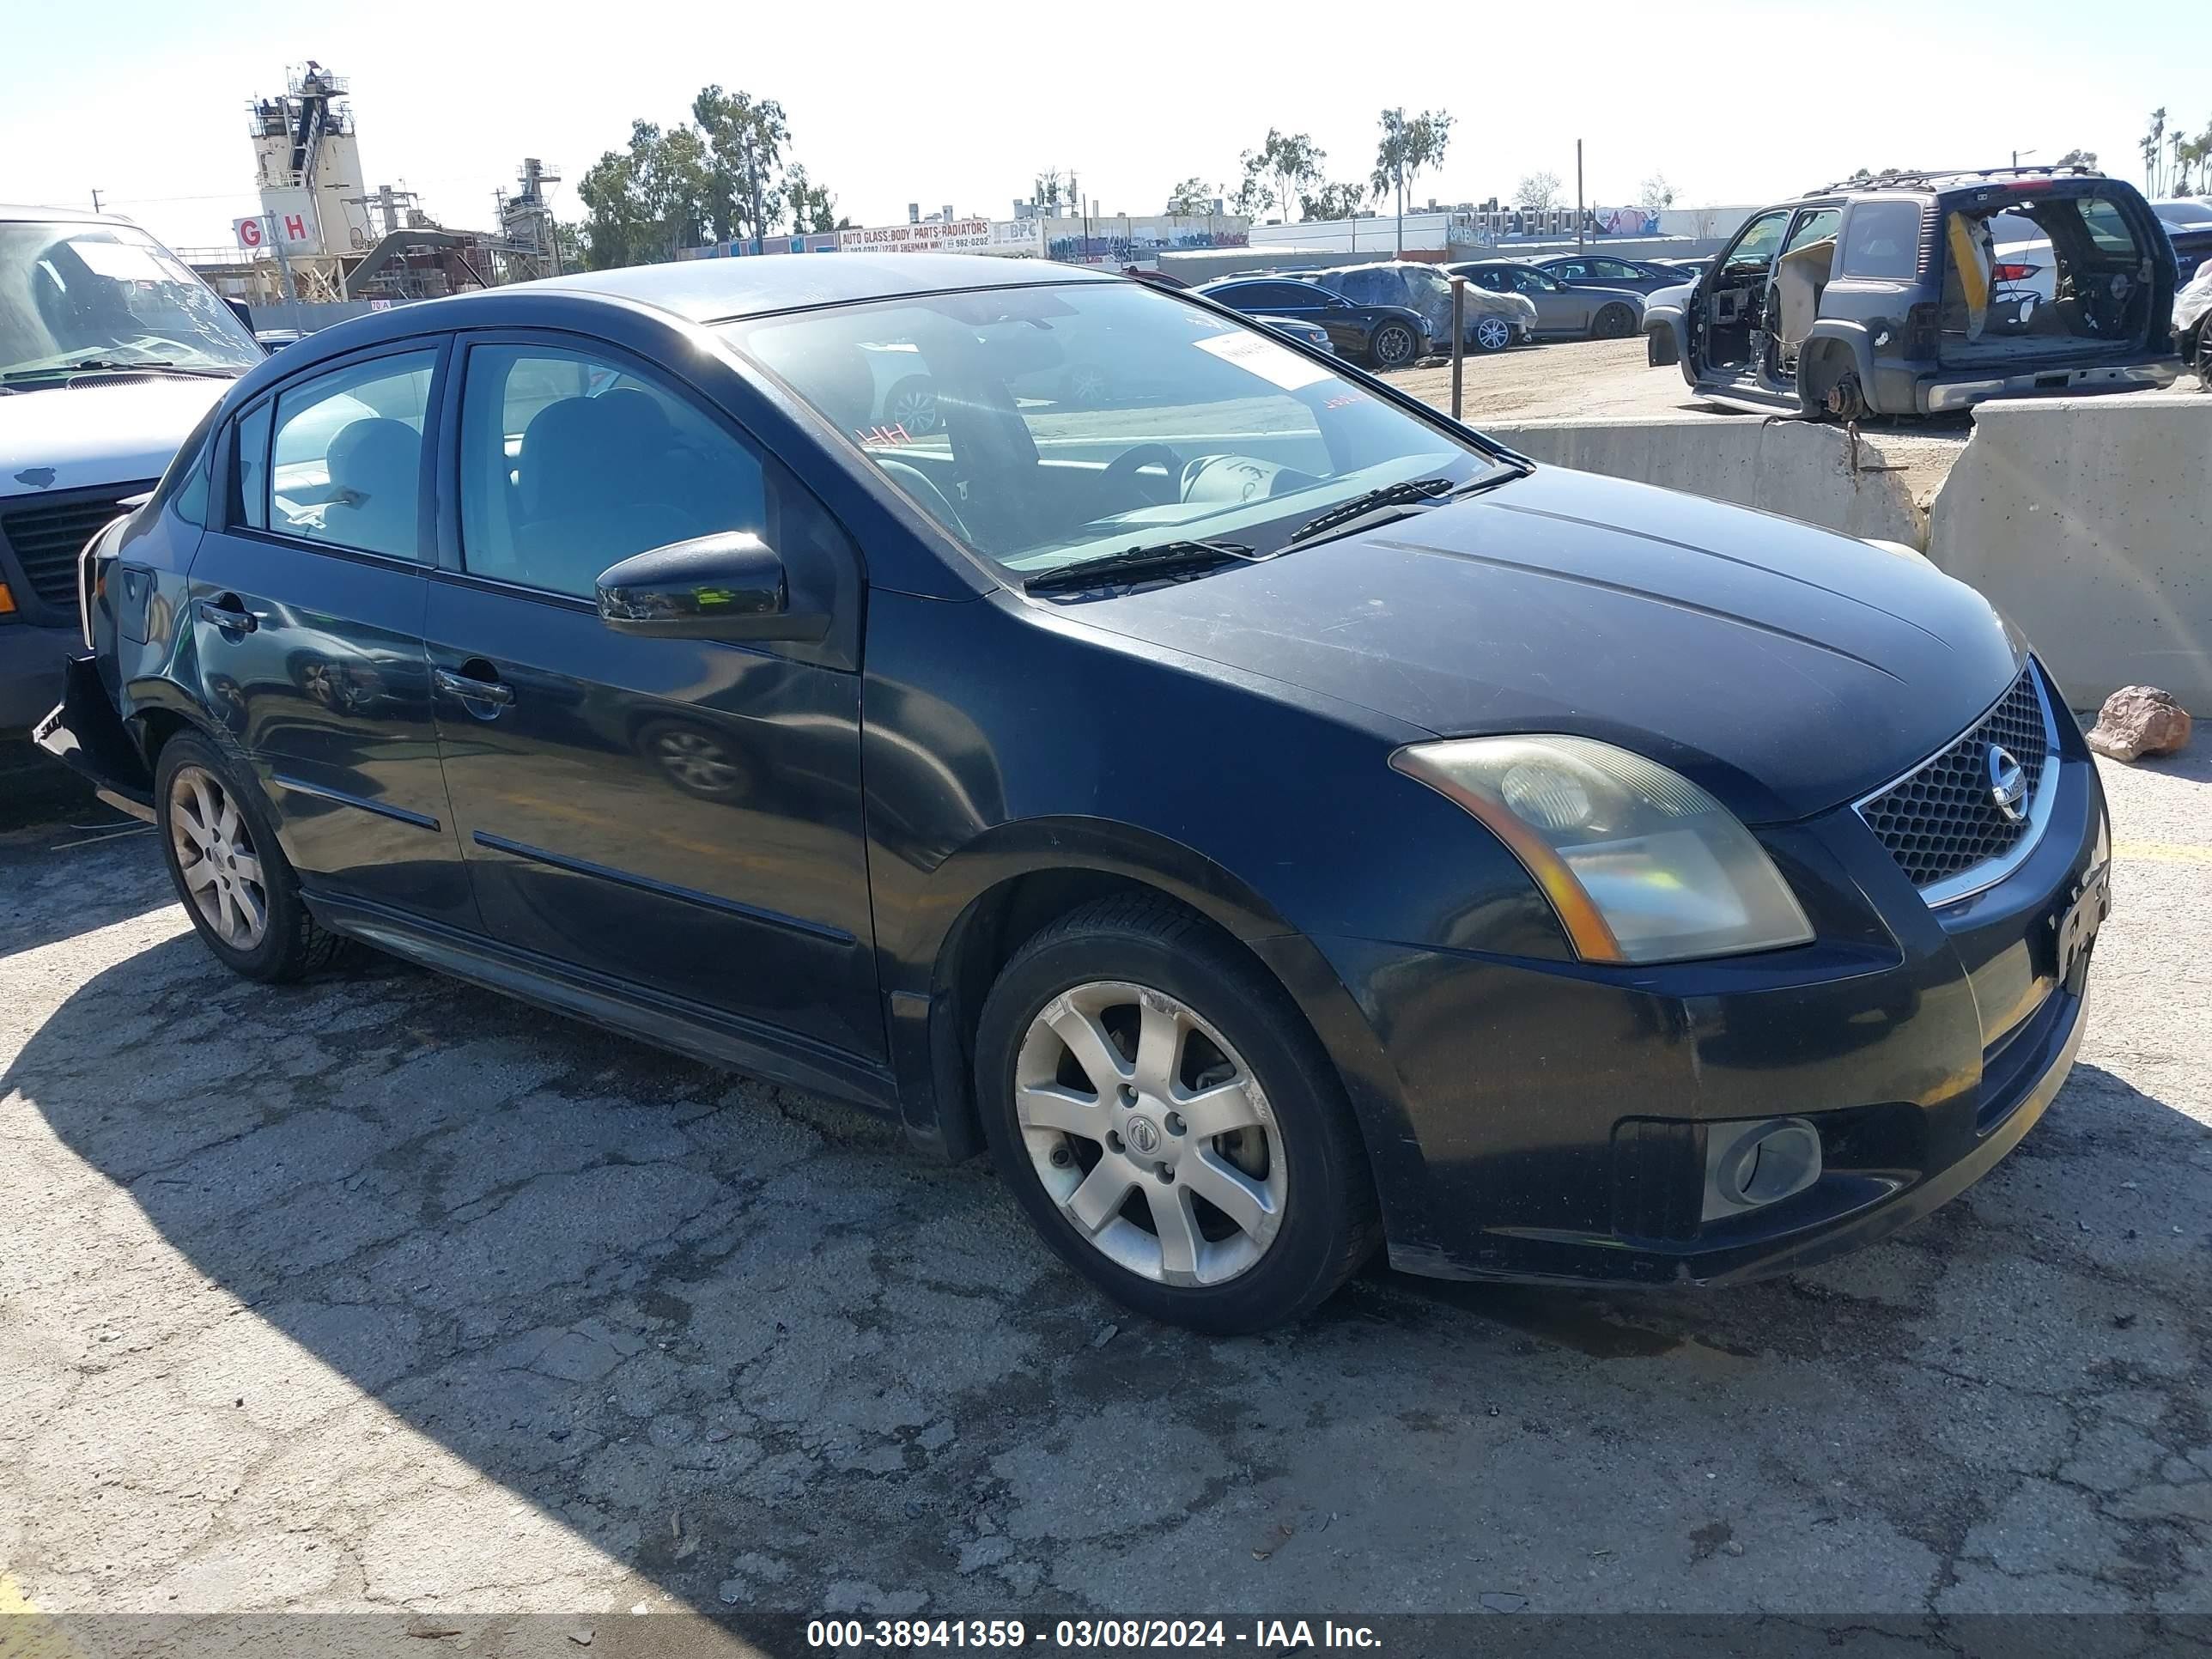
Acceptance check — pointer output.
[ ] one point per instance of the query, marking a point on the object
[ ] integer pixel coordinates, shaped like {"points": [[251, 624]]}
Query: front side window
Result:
{"points": [[1760, 240], [1613, 269], [571, 463], [1535, 282], [88, 298], [1815, 227], [1083, 418], [345, 457]]}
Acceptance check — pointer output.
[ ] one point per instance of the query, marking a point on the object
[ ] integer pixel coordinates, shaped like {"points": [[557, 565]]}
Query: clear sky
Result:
{"points": [[962, 101]]}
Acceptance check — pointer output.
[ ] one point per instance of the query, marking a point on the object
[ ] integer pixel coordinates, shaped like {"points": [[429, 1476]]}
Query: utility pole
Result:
{"points": [[1578, 195], [1401, 136], [95, 201]]}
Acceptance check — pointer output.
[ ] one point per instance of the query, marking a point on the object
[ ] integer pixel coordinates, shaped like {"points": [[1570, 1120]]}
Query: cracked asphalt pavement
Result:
{"points": [[386, 1293]]}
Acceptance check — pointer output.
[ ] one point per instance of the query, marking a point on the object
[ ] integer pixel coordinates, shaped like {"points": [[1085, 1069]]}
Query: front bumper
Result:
{"points": [[84, 734], [1554, 1117]]}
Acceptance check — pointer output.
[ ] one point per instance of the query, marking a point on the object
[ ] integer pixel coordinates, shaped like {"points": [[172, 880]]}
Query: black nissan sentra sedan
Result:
{"points": [[1271, 820]]}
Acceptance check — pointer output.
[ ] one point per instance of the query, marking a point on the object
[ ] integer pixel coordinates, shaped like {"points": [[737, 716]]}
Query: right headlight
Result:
{"points": [[1640, 864]]}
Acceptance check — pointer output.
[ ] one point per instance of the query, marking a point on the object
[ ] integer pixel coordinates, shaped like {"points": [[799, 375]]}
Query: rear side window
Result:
{"points": [[346, 456], [1882, 240]]}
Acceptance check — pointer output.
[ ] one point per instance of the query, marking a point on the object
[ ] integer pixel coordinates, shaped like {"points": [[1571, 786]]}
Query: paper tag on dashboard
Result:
{"points": [[1278, 364]]}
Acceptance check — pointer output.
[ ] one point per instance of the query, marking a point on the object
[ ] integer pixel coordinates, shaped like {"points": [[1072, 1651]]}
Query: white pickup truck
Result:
{"points": [[111, 350]]}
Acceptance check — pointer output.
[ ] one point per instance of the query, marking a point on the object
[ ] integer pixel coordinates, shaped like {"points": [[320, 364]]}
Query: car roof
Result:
{"points": [[712, 290], [18, 212]]}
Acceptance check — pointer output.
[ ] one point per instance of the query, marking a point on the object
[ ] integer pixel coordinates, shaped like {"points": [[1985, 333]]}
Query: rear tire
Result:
{"points": [[219, 839], [1393, 346], [1490, 334], [1173, 1015]]}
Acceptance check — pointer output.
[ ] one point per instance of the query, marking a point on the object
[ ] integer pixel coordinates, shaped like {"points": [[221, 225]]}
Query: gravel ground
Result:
{"points": [[383, 1292]]}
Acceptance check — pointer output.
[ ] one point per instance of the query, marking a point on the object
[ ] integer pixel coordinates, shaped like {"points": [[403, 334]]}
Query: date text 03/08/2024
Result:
{"points": [[928, 1635]]}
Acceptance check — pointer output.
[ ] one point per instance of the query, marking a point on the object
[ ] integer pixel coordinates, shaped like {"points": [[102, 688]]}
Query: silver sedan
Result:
{"points": [[1578, 311]]}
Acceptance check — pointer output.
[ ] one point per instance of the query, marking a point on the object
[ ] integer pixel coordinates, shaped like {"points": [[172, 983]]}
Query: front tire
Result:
{"points": [[1393, 346], [220, 843], [1614, 322], [1168, 1122], [1492, 334]]}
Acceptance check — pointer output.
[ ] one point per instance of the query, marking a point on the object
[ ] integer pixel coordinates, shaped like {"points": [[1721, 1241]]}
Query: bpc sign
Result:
{"points": [[265, 230]]}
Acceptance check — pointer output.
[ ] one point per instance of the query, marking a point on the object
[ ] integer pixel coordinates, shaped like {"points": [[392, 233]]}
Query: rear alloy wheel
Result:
{"points": [[1614, 322], [1393, 346], [1492, 334], [237, 885], [1168, 1122], [217, 865]]}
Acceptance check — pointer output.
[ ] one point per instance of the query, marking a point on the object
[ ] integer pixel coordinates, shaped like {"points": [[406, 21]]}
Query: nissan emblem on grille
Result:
{"points": [[1969, 805], [2008, 783]]}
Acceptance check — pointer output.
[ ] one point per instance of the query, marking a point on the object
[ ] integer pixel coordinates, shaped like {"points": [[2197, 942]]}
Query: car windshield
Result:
{"points": [[1043, 425], [80, 294]]}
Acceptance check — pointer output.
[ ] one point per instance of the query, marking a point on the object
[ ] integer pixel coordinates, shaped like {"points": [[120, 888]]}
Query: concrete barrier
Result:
{"points": [[1877, 488], [2088, 521]]}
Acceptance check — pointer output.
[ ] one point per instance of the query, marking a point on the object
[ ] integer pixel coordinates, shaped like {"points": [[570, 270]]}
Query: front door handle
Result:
{"points": [[227, 614], [473, 689]]}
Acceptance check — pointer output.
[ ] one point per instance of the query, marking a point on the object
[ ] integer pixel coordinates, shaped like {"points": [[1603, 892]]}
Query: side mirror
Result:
{"points": [[729, 586]]}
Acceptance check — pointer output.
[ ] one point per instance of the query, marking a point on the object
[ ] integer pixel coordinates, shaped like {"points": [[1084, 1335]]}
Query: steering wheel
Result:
{"points": [[1124, 469]]}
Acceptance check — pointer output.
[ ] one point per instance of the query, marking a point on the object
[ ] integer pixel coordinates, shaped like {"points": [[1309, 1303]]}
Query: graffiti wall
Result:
{"points": [[1139, 238]]}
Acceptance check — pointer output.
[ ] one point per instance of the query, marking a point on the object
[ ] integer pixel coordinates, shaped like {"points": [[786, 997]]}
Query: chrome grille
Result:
{"points": [[47, 537], [1941, 821]]}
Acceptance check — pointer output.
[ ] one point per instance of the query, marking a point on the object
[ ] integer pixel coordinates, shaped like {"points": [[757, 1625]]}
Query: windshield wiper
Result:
{"points": [[85, 364], [1414, 495], [1181, 558]]}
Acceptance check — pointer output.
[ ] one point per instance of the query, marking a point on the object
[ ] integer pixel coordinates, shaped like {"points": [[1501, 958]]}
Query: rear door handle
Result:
{"points": [[472, 688], [228, 615]]}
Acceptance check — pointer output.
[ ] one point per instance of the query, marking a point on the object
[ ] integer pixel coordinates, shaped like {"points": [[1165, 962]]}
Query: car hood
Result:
{"points": [[97, 432], [1785, 669]]}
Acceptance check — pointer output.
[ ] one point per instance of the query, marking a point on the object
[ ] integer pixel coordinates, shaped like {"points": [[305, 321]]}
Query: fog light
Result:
{"points": [[1751, 1164]]}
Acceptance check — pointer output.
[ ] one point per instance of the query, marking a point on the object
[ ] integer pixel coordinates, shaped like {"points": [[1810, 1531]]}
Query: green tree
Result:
{"points": [[2077, 158], [1193, 198], [1333, 202], [1408, 148], [812, 208], [643, 203], [744, 140], [1274, 174]]}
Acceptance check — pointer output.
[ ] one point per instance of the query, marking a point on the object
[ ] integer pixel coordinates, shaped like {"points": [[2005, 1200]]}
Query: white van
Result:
{"points": [[111, 350]]}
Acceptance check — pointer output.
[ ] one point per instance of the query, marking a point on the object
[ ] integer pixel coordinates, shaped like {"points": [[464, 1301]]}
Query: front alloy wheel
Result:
{"points": [[1168, 1120], [1395, 346], [1492, 334], [217, 864], [1150, 1133]]}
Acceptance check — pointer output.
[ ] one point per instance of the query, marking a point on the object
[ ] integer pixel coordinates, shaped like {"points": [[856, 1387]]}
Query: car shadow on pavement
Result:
{"points": [[349, 1267]]}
